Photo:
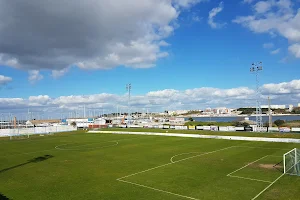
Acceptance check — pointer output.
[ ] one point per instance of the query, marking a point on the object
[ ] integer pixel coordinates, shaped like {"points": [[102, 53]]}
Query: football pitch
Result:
{"points": [[83, 165]]}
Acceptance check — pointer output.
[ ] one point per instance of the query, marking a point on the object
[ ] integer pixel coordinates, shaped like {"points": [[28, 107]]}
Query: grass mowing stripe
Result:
{"points": [[67, 149], [28, 152]]}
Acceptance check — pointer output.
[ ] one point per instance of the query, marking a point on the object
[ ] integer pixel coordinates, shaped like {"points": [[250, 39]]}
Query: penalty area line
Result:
{"points": [[159, 190], [170, 163], [252, 179], [267, 187], [247, 165]]}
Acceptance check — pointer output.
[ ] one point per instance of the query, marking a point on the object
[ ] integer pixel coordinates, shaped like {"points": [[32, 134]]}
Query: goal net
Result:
{"points": [[291, 162]]}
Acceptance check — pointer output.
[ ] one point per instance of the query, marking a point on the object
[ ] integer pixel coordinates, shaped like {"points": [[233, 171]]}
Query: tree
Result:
{"points": [[279, 122], [73, 124], [191, 119], [240, 124], [296, 110]]}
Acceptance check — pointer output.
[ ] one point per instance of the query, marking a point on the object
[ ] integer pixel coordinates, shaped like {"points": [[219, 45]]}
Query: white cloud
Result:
{"points": [[99, 35], [248, 1], [280, 19], [187, 3], [268, 45], [295, 50], [276, 51], [263, 6], [4, 80], [292, 87], [196, 18], [59, 73], [168, 99], [212, 14], [34, 76]]}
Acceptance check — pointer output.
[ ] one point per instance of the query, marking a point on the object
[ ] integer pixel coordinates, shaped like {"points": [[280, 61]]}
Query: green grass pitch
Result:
{"points": [[83, 165]]}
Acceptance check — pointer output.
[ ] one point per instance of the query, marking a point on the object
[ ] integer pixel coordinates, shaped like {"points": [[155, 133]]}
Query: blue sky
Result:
{"points": [[195, 53]]}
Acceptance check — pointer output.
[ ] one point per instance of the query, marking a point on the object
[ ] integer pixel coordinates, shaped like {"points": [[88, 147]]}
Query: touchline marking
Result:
{"points": [[247, 165], [252, 179], [181, 154], [174, 162], [187, 197], [261, 147]]}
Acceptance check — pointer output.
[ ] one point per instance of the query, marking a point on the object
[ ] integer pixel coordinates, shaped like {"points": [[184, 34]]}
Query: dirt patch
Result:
{"points": [[268, 166]]}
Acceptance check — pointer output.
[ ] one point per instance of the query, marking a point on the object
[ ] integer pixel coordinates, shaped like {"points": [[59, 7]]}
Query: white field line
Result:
{"points": [[267, 187], [115, 141], [187, 197], [260, 147], [66, 149], [174, 162], [171, 160], [247, 165], [59, 145], [252, 179]]}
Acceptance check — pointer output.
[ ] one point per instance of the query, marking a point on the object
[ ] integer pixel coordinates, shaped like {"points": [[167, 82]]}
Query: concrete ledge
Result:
{"points": [[260, 139]]}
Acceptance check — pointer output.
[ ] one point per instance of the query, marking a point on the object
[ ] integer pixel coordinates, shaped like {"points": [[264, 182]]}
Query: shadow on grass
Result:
{"points": [[3, 197], [34, 160]]}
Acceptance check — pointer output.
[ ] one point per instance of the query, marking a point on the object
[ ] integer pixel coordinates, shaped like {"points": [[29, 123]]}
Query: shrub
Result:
{"points": [[279, 122]]}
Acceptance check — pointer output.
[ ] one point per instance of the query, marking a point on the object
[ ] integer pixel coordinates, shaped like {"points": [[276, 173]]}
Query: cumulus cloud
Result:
{"points": [[212, 14], [292, 87], [248, 1], [263, 6], [274, 17], [90, 34], [268, 45], [4, 80], [295, 50], [276, 51], [168, 99], [34, 76]]}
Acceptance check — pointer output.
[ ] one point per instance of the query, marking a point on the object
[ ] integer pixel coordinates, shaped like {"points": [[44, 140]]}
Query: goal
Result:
{"points": [[291, 162]]}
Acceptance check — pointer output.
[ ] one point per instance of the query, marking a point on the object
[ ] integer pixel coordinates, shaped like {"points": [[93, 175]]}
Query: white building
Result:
{"points": [[177, 112], [176, 120], [81, 123]]}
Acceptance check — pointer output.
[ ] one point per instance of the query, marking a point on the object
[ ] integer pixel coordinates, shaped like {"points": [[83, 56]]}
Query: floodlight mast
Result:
{"points": [[128, 88], [256, 68]]}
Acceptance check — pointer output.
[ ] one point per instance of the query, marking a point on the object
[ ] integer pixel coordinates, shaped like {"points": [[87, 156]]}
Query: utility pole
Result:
{"points": [[270, 113], [256, 68], [84, 111], [128, 88]]}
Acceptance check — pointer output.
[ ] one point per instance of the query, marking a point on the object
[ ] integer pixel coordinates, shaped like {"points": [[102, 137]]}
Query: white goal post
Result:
{"points": [[291, 162]]}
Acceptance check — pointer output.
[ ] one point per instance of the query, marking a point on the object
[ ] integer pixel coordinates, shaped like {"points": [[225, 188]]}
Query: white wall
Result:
{"points": [[36, 130]]}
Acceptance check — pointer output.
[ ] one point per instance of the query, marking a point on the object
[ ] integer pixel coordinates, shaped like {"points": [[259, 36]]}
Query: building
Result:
{"points": [[81, 122], [291, 107], [176, 120], [177, 112]]}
